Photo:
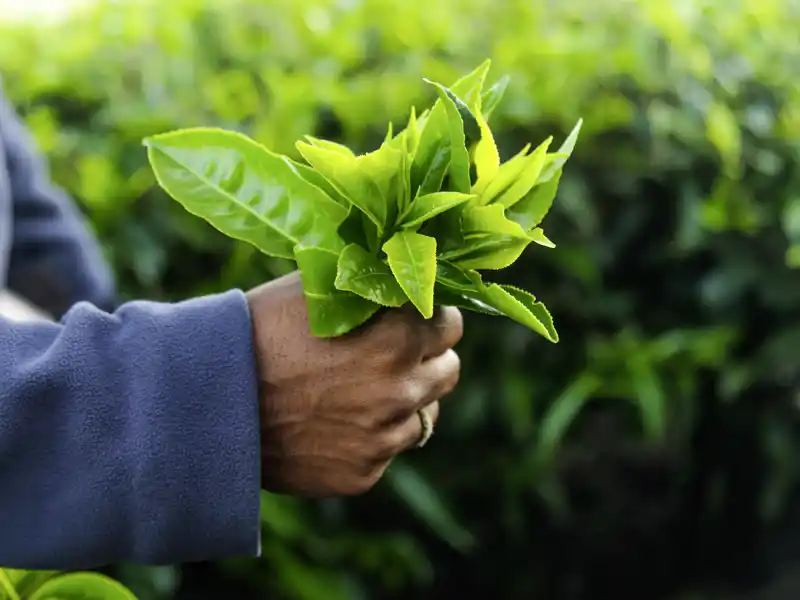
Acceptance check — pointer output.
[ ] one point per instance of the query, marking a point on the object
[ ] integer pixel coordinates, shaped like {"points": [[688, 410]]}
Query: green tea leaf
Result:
{"points": [[471, 126], [82, 586], [459, 288], [366, 275], [479, 220], [538, 237], [489, 252], [384, 168], [506, 174], [470, 86], [522, 308], [412, 259], [244, 190], [430, 205], [492, 97], [449, 297], [527, 177], [487, 158], [331, 312], [432, 181], [315, 178], [561, 155], [537, 309], [332, 146], [459, 156], [345, 172], [434, 124], [534, 206]]}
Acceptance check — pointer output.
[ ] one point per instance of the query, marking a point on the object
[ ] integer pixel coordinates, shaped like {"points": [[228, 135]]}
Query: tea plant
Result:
{"points": [[415, 221]]}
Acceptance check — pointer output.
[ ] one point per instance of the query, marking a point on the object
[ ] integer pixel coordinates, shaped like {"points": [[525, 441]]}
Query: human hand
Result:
{"points": [[335, 412]]}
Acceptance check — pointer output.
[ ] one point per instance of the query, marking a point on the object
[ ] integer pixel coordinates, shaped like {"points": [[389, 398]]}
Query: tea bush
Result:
{"points": [[652, 450]]}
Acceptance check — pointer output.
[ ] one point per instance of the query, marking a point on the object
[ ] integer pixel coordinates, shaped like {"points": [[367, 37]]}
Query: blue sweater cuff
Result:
{"points": [[197, 480]]}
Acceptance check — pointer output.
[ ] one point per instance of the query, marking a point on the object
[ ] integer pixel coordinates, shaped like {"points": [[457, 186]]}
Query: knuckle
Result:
{"points": [[450, 374], [454, 323]]}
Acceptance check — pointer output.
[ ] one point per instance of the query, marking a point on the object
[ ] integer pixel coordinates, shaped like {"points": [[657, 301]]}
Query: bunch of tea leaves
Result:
{"points": [[415, 221]]}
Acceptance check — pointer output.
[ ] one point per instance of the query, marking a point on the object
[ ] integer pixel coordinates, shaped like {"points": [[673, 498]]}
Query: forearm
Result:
{"points": [[129, 437], [55, 260]]}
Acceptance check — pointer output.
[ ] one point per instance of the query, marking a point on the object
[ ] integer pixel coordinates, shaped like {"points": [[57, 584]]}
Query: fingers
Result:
{"points": [[413, 338], [443, 331], [411, 431], [437, 377]]}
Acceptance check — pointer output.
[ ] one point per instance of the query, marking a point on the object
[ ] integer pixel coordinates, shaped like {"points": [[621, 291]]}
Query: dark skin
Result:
{"points": [[335, 412]]}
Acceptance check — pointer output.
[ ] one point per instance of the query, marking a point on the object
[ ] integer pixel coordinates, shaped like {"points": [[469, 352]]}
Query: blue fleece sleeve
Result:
{"points": [[55, 261], [130, 437]]}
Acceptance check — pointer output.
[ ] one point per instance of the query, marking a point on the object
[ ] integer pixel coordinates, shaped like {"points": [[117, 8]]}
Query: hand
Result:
{"points": [[335, 412]]}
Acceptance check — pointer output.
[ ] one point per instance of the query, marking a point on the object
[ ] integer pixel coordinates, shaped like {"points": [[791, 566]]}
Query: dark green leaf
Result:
{"points": [[459, 156], [430, 205], [244, 190], [423, 499], [412, 259], [368, 276], [433, 178], [331, 312]]}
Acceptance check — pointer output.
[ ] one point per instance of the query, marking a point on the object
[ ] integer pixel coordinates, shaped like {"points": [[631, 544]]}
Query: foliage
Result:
{"points": [[18, 584], [653, 448], [383, 228]]}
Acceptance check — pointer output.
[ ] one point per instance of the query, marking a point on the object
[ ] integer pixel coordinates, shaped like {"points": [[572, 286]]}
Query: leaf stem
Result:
{"points": [[6, 584]]}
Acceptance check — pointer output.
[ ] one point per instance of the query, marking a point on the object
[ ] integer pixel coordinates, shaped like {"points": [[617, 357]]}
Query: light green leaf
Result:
{"points": [[534, 206], [470, 86], [506, 174], [345, 172], [527, 177], [537, 309], [412, 259], [333, 146], [430, 205], [315, 178], [331, 312], [559, 158], [366, 275], [493, 96], [487, 158], [476, 221], [459, 156], [244, 190], [522, 308], [459, 288], [434, 124], [82, 586], [488, 252], [538, 237], [24, 582]]}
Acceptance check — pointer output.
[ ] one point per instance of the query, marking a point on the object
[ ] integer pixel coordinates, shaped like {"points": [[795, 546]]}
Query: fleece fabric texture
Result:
{"points": [[127, 434]]}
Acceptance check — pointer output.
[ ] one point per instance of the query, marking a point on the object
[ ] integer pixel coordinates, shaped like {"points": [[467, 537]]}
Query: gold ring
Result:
{"points": [[427, 427]]}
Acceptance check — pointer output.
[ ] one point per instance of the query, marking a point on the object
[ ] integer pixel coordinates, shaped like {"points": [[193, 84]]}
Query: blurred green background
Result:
{"points": [[655, 451]]}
